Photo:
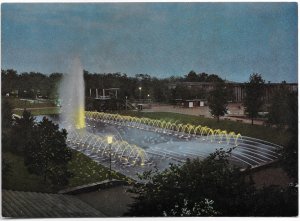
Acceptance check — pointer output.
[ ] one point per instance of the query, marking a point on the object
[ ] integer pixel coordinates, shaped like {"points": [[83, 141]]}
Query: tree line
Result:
{"points": [[29, 85], [32, 84]]}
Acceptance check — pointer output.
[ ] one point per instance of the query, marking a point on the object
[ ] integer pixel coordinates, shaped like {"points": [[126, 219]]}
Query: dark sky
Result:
{"points": [[232, 40]]}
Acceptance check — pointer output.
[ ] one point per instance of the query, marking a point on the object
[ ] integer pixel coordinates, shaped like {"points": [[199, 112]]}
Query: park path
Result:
{"points": [[233, 109]]}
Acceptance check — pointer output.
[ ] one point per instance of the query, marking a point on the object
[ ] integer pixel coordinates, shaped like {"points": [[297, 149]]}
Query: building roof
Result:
{"points": [[18, 204], [198, 83]]}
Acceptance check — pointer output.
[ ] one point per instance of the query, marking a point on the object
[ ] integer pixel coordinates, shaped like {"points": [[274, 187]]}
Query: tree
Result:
{"points": [[289, 154], [202, 208], [6, 114], [192, 76], [279, 111], [190, 186], [254, 93], [214, 78], [6, 170], [211, 187], [47, 154], [274, 201], [22, 132], [217, 101], [9, 80], [6, 119]]}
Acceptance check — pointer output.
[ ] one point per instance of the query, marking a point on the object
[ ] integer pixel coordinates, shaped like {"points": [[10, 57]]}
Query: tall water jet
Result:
{"points": [[71, 94]]}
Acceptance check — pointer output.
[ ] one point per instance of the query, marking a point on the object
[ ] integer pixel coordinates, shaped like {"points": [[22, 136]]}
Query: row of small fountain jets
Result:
{"points": [[131, 154]]}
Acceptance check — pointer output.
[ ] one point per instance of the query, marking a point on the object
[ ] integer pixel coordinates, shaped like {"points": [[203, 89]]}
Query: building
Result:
{"points": [[238, 89]]}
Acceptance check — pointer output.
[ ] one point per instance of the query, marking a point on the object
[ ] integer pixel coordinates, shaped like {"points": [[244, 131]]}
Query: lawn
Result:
{"points": [[257, 131], [20, 179], [39, 111], [84, 169], [87, 171], [29, 103]]}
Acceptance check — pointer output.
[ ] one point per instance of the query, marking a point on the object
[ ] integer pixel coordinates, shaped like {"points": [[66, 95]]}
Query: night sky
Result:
{"points": [[232, 40]]}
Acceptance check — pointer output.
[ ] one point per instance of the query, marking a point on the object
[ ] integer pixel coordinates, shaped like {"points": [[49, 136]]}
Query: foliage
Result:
{"points": [[217, 101], [29, 85], [279, 109], [20, 179], [202, 208], [254, 90], [47, 154], [6, 113], [274, 201], [289, 154], [83, 168], [211, 187], [201, 77], [6, 169], [34, 84], [6, 119], [195, 181], [22, 132], [8, 78]]}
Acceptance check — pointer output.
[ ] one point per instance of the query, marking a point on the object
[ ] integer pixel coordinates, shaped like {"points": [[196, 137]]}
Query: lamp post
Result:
{"points": [[126, 103], [140, 89], [109, 141]]}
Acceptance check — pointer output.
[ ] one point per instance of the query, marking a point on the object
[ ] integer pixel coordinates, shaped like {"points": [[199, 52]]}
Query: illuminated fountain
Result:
{"points": [[73, 119], [180, 141], [141, 144], [71, 94]]}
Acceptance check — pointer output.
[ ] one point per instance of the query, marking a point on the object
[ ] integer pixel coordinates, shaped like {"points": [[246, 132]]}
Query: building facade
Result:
{"points": [[238, 89]]}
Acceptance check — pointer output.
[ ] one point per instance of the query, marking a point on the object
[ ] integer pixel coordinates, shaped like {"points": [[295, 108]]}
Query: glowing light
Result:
{"points": [[109, 139], [79, 118]]}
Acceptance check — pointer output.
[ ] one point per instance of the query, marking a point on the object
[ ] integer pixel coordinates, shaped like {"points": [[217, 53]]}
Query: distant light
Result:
{"points": [[109, 139], [140, 88], [148, 95]]}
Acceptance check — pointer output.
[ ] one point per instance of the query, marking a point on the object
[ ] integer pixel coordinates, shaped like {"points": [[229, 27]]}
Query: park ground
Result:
{"points": [[86, 171]]}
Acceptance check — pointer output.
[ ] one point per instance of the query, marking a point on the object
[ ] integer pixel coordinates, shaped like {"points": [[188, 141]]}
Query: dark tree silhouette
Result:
{"points": [[279, 109], [289, 154], [47, 154], [217, 101], [209, 187], [253, 100], [22, 131]]}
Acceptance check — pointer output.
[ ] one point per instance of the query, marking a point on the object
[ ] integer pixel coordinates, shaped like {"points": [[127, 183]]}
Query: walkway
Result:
{"points": [[233, 111]]}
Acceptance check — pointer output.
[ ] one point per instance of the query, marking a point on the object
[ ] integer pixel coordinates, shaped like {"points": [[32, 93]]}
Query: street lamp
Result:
{"points": [[109, 141], [140, 88], [126, 103]]}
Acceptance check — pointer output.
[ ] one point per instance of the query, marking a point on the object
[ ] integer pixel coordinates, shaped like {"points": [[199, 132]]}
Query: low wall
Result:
{"points": [[93, 186]]}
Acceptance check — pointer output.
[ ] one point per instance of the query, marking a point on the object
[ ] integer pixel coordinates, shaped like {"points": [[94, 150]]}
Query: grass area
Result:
{"points": [[29, 103], [83, 168], [257, 131], [87, 171], [20, 179], [36, 107], [41, 111]]}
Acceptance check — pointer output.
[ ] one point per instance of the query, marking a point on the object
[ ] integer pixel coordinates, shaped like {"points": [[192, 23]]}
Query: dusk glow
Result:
{"points": [[232, 40]]}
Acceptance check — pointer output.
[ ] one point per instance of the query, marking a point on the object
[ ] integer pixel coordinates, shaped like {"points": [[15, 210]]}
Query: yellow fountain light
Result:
{"points": [[79, 118]]}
